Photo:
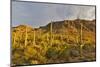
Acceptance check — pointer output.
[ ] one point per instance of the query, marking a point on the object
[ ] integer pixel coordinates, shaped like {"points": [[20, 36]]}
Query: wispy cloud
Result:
{"points": [[39, 14]]}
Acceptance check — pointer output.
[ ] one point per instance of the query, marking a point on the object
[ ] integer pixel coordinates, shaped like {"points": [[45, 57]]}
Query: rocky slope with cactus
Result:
{"points": [[56, 42]]}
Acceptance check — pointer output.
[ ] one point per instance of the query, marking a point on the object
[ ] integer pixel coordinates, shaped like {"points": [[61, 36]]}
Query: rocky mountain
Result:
{"points": [[88, 25]]}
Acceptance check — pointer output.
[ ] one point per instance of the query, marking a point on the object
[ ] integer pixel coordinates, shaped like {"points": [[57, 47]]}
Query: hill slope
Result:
{"points": [[56, 42]]}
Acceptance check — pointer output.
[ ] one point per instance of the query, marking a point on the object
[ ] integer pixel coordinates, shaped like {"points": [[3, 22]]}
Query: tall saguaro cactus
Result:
{"points": [[81, 37], [81, 31], [51, 34], [14, 39], [66, 30], [26, 36], [34, 38], [47, 37]]}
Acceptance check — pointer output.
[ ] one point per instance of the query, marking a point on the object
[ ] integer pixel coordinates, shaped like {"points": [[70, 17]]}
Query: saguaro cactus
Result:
{"points": [[51, 34], [81, 38], [47, 37], [14, 38], [26, 36], [81, 33], [34, 38]]}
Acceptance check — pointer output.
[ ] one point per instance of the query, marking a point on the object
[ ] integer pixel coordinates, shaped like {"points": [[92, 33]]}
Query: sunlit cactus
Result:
{"points": [[34, 37], [51, 34], [26, 36]]}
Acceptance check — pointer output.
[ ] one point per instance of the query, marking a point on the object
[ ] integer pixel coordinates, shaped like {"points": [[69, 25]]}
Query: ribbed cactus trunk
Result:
{"points": [[26, 36], [34, 38], [77, 38], [81, 41], [51, 34], [14, 39], [68, 31], [20, 39], [81, 33], [47, 37]]}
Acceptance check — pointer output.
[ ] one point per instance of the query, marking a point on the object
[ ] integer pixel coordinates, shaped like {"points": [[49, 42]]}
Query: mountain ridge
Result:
{"points": [[89, 24]]}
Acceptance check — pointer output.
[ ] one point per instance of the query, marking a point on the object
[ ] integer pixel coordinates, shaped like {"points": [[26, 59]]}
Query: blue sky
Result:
{"points": [[40, 14]]}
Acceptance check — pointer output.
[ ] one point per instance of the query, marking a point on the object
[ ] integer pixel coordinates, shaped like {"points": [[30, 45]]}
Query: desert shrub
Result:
{"points": [[65, 53], [18, 56], [52, 53], [68, 52], [33, 56], [74, 53], [89, 48]]}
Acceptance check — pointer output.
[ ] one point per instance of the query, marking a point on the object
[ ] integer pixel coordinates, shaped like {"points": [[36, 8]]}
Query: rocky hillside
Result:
{"points": [[88, 25], [71, 28], [75, 24]]}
